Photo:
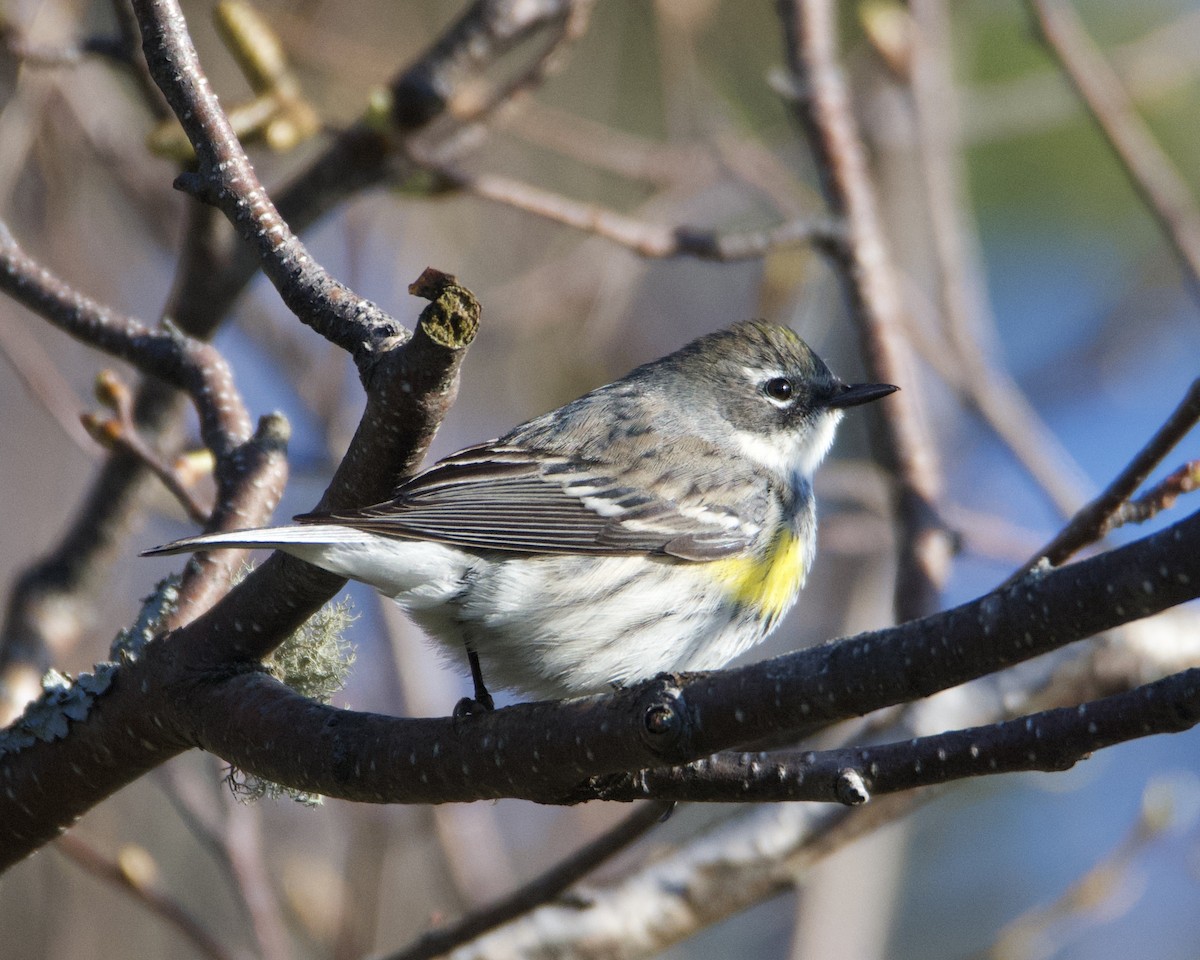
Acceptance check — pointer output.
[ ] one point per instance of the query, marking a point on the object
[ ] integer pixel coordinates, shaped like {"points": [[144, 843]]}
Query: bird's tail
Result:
{"points": [[271, 538]]}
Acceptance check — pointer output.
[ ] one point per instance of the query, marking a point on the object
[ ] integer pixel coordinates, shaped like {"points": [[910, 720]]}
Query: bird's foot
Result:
{"points": [[473, 706]]}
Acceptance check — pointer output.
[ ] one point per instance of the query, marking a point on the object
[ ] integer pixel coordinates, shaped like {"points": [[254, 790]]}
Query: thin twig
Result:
{"points": [[197, 814], [1087, 902], [1095, 519], [1161, 496], [215, 267], [1147, 166], [366, 855], [121, 433], [644, 239], [249, 466], [230, 831], [563, 27], [472, 45], [1003, 407], [541, 889], [145, 890]]}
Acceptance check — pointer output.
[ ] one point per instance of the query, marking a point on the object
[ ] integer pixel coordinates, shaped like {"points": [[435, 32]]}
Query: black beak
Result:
{"points": [[854, 394]]}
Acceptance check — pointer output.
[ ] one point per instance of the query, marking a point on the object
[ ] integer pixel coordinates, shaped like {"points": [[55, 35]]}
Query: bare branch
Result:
{"points": [[1095, 520], [231, 832], [1050, 741], [739, 863], [1161, 496], [121, 432], [250, 468], [963, 302], [366, 856], [1087, 902], [481, 36], [607, 148], [244, 842], [644, 239], [194, 367], [1153, 66], [212, 273], [226, 179], [183, 694], [755, 854]]}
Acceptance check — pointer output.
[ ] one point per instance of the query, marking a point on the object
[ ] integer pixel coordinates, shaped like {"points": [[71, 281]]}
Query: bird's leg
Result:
{"points": [[482, 702], [482, 697]]}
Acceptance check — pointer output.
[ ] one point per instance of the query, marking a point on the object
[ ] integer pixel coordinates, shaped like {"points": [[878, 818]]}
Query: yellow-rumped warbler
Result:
{"points": [[663, 522]]}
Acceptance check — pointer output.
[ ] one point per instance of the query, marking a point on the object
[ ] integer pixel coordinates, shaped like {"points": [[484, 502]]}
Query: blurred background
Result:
{"points": [[669, 113]]}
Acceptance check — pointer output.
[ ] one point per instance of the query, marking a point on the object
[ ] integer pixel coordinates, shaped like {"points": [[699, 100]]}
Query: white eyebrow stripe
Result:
{"points": [[756, 374]]}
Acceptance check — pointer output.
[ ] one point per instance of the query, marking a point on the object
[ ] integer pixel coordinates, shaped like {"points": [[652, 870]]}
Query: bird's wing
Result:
{"points": [[504, 497]]}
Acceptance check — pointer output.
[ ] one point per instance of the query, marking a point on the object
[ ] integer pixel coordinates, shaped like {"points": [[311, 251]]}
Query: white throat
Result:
{"points": [[800, 456]]}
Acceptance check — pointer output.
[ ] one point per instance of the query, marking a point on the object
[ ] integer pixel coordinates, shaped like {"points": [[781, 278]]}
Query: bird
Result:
{"points": [[664, 522]]}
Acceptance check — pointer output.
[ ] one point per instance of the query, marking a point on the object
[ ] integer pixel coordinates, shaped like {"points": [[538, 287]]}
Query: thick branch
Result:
{"points": [[1049, 741], [533, 750]]}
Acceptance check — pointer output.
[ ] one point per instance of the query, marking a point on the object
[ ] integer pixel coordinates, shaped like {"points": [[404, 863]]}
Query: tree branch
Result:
{"points": [[225, 178], [531, 750], [169, 699], [1051, 741], [1096, 518], [250, 469], [146, 715], [645, 239], [191, 366]]}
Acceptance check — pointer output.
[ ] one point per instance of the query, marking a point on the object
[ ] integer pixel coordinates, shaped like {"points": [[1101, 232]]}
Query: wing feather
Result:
{"points": [[504, 497]]}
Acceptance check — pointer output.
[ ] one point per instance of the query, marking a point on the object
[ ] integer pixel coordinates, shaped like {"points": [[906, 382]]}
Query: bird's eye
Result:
{"points": [[778, 389]]}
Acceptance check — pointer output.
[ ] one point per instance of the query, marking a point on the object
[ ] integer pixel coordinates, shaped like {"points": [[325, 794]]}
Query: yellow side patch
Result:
{"points": [[766, 583]]}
